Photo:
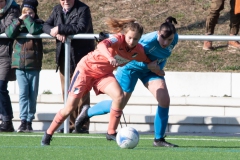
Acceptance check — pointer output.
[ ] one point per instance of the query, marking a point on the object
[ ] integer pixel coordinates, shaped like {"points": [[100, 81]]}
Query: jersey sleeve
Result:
{"points": [[141, 57], [142, 65], [175, 41], [162, 64], [107, 46]]}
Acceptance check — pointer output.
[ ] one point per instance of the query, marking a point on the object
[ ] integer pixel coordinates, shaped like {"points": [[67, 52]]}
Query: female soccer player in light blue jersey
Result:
{"points": [[158, 47]]}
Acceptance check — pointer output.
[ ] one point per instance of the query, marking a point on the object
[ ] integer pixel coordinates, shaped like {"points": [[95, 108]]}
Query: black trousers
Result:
{"points": [[5, 102]]}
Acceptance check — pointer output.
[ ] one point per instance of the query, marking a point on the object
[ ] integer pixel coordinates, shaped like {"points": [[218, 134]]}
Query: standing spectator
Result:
{"points": [[27, 59], [9, 10], [68, 18], [212, 19]]}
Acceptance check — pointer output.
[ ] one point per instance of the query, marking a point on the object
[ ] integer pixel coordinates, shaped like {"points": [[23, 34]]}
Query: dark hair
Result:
{"points": [[168, 27], [117, 25]]}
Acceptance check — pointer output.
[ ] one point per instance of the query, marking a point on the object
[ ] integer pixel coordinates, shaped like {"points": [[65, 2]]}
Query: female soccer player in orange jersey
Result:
{"points": [[95, 70]]}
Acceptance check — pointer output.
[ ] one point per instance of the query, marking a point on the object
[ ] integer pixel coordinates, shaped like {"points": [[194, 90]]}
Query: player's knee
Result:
{"points": [[164, 102]]}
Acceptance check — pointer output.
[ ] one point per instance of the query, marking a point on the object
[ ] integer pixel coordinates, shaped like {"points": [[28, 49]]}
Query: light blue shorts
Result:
{"points": [[128, 78]]}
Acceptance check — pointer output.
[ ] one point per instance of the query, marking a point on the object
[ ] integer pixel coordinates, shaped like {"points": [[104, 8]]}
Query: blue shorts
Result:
{"points": [[128, 78]]}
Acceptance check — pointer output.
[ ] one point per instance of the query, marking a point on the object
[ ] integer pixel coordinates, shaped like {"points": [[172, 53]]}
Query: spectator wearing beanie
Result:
{"points": [[27, 60]]}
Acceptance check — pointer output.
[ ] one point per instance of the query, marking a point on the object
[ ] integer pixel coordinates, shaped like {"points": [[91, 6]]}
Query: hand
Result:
{"points": [[54, 31], [61, 38], [113, 62], [159, 73], [23, 16], [153, 66]]}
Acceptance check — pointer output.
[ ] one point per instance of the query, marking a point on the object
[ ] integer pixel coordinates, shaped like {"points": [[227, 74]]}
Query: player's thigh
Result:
{"points": [[127, 79], [108, 85], [157, 86], [70, 106]]}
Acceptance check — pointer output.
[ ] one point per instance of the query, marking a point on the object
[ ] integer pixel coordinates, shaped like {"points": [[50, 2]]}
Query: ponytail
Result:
{"points": [[168, 27], [119, 25]]}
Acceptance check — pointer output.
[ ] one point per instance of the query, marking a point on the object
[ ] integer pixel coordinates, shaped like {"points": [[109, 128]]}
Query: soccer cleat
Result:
{"points": [[22, 127], [6, 126], [81, 131], [81, 119], [111, 137], [29, 127], [46, 139], [162, 143], [62, 130]]}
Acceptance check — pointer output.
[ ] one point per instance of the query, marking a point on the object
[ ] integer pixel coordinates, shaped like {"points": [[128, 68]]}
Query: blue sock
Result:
{"points": [[100, 108], [160, 122]]}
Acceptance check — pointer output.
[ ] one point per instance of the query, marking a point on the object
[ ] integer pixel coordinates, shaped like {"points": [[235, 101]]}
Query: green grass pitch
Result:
{"points": [[22, 146]]}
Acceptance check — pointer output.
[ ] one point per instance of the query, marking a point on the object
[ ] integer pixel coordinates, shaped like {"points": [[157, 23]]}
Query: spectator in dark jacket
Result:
{"points": [[27, 60], [69, 18], [9, 10]]}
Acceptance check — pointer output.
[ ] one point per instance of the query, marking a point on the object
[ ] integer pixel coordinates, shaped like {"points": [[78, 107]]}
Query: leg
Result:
{"points": [[33, 76], [59, 118], [85, 100], [83, 106], [23, 93], [117, 105], [100, 108], [234, 26], [159, 90], [23, 84], [211, 21], [127, 80], [212, 18], [62, 79], [127, 84], [6, 108], [234, 19], [104, 107], [80, 85]]}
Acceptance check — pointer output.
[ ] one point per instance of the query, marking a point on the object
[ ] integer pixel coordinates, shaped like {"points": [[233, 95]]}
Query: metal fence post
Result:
{"points": [[67, 78]]}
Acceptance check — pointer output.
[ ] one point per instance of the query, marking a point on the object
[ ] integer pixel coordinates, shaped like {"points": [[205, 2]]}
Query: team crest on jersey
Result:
{"points": [[161, 60], [170, 48], [113, 39], [134, 55], [120, 60], [76, 91]]}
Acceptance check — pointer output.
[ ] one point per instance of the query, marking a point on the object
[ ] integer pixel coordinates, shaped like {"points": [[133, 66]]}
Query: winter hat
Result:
{"points": [[30, 4]]}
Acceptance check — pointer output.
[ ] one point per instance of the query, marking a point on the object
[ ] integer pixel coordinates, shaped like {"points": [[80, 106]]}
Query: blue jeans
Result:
{"points": [[5, 102], [28, 82]]}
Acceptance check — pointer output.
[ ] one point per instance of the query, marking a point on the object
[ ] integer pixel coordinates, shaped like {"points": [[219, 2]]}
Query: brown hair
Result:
{"points": [[117, 25]]}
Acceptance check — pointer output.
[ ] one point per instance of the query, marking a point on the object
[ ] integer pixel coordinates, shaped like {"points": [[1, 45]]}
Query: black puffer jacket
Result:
{"points": [[79, 21]]}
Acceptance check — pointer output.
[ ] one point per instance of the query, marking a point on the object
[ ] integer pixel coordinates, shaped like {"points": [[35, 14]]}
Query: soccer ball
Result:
{"points": [[127, 138]]}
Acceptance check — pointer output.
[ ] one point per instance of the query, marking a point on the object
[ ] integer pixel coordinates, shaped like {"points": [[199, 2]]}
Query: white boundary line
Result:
{"points": [[224, 139]]}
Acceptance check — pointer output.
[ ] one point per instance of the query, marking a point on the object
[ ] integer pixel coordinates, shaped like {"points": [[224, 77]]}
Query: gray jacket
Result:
{"points": [[6, 19]]}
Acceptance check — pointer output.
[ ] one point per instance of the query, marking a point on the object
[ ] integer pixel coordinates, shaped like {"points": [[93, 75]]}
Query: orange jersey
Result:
{"points": [[96, 63]]}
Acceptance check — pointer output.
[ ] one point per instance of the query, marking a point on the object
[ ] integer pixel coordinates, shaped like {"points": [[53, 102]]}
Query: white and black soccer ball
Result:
{"points": [[127, 138]]}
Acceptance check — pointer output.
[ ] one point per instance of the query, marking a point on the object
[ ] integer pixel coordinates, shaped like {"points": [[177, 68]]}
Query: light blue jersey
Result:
{"points": [[128, 75], [153, 51]]}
